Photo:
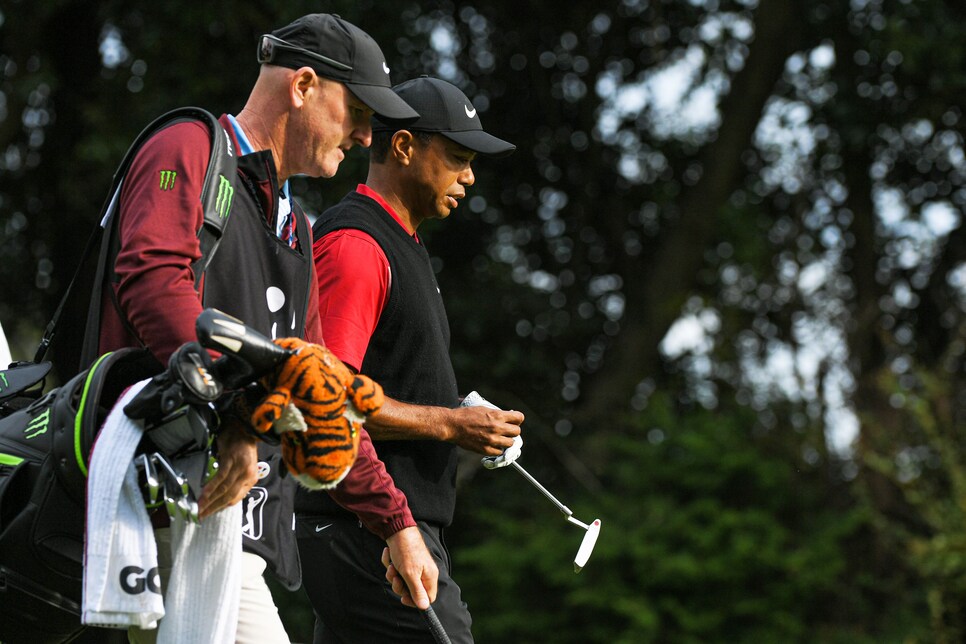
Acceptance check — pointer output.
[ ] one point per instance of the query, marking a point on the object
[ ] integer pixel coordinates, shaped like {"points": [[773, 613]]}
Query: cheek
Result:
{"points": [[331, 137], [326, 130]]}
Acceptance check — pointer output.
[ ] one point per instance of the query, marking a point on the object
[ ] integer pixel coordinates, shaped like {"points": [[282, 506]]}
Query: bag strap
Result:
{"points": [[51, 329], [216, 199], [216, 195]]}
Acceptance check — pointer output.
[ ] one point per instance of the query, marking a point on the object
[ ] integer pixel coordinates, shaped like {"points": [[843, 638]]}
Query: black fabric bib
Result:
{"points": [[255, 276], [259, 279]]}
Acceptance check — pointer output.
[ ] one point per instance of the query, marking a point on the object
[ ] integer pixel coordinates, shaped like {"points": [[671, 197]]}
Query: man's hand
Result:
{"points": [[410, 568], [237, 471], [483, 430]]}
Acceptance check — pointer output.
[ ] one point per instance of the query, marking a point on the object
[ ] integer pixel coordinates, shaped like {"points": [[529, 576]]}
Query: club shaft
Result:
{"points": [[579, 523], [563, 508]]}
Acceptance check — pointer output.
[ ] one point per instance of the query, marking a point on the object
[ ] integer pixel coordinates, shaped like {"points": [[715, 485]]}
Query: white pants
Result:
{"points": [[258, 619]]}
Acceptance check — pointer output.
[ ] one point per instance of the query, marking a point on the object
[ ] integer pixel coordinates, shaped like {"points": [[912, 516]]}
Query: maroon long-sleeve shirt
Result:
{"points": [[158, 231]]}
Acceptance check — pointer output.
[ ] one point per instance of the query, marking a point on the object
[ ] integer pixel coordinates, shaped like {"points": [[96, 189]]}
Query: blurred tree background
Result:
{"points": [[723, 275]]}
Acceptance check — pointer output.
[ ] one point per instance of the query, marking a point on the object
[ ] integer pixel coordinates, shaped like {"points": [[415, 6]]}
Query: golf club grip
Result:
{"points": [[435, 626], [231, 337]]}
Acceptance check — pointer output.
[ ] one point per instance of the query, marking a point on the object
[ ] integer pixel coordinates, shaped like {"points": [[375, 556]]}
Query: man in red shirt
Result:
{"points": [[320, 81], [382, 314]]}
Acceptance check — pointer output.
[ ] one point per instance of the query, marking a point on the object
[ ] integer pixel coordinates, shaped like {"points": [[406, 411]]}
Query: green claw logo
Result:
{"points": [[167, 179], [225, 194], [38, 425]]}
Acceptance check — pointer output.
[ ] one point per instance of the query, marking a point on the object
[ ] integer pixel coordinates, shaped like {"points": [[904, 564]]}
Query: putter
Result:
{"points": [[592, 530], [509, 457]]}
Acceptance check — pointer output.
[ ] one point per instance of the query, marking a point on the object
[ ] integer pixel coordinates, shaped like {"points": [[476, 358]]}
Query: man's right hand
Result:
{"points": [[410, 568], [237, 471], [483, 430]]}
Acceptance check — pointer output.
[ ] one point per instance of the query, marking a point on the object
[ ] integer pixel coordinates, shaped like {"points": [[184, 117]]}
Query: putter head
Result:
{"points": [[587, 546]]}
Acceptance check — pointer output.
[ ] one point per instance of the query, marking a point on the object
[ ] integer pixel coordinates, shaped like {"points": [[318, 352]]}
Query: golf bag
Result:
{"points": [[45, 441], [44, 451]]}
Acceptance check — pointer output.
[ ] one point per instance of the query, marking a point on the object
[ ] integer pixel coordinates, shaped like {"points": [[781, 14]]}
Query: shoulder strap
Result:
{"points": [[216, 198], [217, 194]]}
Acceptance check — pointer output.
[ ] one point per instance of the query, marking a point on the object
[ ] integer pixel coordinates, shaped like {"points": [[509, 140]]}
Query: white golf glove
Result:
{"points": [[511, 453]]}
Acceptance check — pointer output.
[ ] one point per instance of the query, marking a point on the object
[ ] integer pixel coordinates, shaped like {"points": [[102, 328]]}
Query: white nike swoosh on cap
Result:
{"points": [[469, 112], [320, 528], [385, 67]]}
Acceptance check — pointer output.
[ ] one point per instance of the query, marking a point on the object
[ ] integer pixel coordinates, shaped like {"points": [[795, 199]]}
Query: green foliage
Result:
{"points": [[711, 532], [917, 481]]}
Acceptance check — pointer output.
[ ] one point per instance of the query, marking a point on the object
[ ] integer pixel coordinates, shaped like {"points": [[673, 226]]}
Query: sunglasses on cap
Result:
{"points": [[270, 46]]}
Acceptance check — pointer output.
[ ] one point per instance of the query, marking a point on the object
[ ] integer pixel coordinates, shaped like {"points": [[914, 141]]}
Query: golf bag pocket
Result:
{"points": [[39, 615], [44, 454], [14, 488], [20, 385], [41, 548]]}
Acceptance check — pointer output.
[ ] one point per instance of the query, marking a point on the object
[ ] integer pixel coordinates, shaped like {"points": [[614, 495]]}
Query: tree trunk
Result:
{"points": [[654, 296]]}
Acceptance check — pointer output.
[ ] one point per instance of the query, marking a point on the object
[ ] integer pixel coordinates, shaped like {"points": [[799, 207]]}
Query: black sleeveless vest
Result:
{"points": [[259, 279], [408, 354]]}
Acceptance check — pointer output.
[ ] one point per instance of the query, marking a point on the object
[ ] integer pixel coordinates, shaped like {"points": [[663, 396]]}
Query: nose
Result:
{"points": [[466, 177], [362, 134]]}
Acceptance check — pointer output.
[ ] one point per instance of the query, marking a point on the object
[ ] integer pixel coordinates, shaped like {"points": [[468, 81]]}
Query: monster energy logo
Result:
{"points": [[38, 425], [225, 194], [6, 384], [167, 179]]}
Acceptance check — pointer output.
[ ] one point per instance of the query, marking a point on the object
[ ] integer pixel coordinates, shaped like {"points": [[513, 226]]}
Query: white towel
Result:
{"points": [[120, 556], [204, 587], [203, 592]]}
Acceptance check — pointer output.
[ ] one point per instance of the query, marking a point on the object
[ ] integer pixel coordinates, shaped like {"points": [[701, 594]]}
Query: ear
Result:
{"points": [[401, 146], [300, 84]]}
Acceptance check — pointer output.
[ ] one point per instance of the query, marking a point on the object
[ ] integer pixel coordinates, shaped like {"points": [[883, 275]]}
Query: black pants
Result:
{"points": [[345, 580]]}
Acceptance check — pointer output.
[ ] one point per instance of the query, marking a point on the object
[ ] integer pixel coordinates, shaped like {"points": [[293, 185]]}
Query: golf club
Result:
{"points": [[435, 626], [509, 457], [593, 529]]}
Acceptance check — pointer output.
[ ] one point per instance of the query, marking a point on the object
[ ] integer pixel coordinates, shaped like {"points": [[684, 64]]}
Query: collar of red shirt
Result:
{"points": [[363, 189]]}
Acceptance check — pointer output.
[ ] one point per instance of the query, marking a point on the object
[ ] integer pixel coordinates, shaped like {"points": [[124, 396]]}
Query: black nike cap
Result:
{"points": [[445, 110], [338, 50]]}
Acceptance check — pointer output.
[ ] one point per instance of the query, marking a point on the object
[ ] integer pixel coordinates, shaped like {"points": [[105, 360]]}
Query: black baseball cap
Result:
{"points": [[446, 110], [338, 50]]}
